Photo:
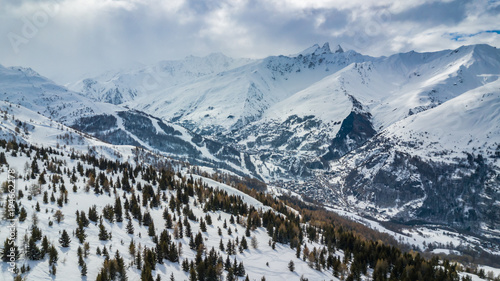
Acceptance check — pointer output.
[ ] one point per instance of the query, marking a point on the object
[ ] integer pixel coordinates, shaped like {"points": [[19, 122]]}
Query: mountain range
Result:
{"points": [[412, 138]]}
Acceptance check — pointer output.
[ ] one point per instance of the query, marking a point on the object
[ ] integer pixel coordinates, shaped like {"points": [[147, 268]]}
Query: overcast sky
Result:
{"points": [[65, 39]]}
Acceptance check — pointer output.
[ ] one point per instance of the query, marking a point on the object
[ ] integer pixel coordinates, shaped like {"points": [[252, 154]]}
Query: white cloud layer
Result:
{"points": [[64, 39]]}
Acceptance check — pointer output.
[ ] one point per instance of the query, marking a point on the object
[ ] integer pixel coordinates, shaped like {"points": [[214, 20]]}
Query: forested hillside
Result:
{"points": [[116, 220]]}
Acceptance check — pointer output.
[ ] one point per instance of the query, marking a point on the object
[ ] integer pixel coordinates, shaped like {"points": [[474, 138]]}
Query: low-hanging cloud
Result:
{"points": [[67, 39]]}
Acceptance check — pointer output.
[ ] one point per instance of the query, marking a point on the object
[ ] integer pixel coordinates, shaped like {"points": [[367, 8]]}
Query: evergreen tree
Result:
{"points": [[192, 274], [64, 240], [3, 160], [125, 181], [244, 243], [33, 252], [45, 246], [80, 234], [41, 178], [240, 270], [168, 220], [84, 270], [53, 255], [93, 213], [103, 234], [151, 229], [208, 218], [130, 227], [22, 215], [36, 233], [118, 210], [203, 226]]}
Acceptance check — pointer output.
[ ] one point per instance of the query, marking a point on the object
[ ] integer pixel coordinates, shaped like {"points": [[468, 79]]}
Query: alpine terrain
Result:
{"points": [[412, 138], [322, 165]]}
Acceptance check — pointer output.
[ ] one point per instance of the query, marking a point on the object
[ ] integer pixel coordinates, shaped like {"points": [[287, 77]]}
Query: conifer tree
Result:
{"points": [[33, 252], [53, 255], [80, 234], [151, 229], [53, 270], [64, 240], [130, 227], [3, 160], [45, 246], [203, 226], [23, 214], [84, 270], [244, 243], [103, 234]]}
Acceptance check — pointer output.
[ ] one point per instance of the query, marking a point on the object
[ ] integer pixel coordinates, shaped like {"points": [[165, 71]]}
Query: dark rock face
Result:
{"points": [[460, 195], [355, 130]]}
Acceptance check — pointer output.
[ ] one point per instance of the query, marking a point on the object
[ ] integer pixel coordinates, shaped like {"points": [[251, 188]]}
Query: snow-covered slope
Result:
{"points": [[118, 87], [304, 109], [114, 123], [222, 98], [259, 259], [441, 166], [375, 134], [449, 152], [29, 127], [26, 87]]}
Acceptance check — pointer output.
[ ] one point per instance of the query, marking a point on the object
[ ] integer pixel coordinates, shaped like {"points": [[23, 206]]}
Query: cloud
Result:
{"points": [[64, 39]]}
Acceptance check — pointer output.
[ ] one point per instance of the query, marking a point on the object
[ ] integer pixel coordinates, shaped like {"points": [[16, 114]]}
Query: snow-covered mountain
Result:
{"points": [[118, 87], [336, 117], [79, 208], [441, 165], [224, 98], [114, 123], [389, 137], [37, 153], [26, 87], [296, 104]]}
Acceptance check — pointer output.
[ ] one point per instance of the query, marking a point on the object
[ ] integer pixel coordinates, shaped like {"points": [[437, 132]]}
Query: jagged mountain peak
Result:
{"points": [[307, 51], [323, 50], [26, 70], [316, 50], [339, 49]]}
